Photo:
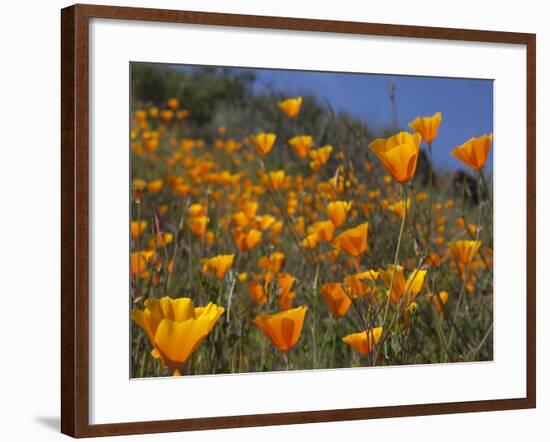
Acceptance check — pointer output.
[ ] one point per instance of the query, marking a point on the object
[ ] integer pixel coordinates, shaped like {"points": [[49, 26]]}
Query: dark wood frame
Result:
{"points": [[74, 219]]}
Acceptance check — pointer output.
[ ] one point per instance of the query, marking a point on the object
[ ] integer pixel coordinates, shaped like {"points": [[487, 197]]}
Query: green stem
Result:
{"points": [[396, 260], [459, 302], [143, 360], [138, 244], [486, 189], [430, 197]]}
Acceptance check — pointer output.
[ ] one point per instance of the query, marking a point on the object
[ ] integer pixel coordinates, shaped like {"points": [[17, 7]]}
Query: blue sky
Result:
{"points": [[466, 105]]}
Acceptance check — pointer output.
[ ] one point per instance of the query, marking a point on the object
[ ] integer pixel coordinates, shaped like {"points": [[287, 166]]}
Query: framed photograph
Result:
{"points": [[272, 220]]}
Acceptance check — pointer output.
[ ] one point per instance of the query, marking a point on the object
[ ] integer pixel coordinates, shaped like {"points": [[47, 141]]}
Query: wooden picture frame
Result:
{"points": [[75, 219]]}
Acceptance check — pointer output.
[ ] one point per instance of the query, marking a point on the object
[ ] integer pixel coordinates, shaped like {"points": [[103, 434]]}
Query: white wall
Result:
{"points": [[29, 216]]}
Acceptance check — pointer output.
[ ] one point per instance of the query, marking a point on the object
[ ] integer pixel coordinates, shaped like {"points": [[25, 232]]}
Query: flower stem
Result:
{"points": [[459, 302], [396, 260], [287, 360], [430, 196]]}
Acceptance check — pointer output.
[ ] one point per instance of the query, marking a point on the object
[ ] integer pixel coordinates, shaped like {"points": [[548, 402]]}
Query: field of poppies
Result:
{"points": [[269, 232]]}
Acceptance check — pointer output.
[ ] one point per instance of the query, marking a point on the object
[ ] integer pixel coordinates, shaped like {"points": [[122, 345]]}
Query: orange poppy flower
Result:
{"points": [[275, 179], [196, 210], [162, 239], [141, 115], [273, 262], [283, 329], [263, 142], [464, 250], [427, 127], [182, 114], [358, 285], [173, 103], [362, 342], [301, 144], [337, 211], [323, 229], [411, 286], [338, 302], [444, 298], [167, 115], [246, 241], [320, 156], [155, 186], [175, 327], [154, 112], [256, 291], [137, 228], [398, 154], [399, 208], [220, 264], [474, 152], [290, 106], [140, 262], [285, 281], [197, 225], [353, 241], [310, 241], [264, 222]]}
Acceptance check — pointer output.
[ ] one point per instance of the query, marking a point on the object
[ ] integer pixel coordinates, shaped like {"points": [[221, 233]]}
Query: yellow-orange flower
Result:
{"points": [[263, 142], [182, 114], [137, 228], [283, 329], [154, 112], [256, 291], [273, 262], [138, 185], [161, 239], [337, 211], [285, 281], [399, 208], [173, 103], [240, 219], [310, 241], [323, 229], [175, 327], [167, 115], [196, 210], [411, 286], [474, 152], [141, 115], [290, 106], [444, 298], [246, 241], [398, 154], [155, 186], [320, 156], [338, 302], [464, 250], [220, 264], [249, 208], [301, 144], [150, 141], [209, 237], [427, 127], [264, 222], [197, 225], [362, 342], [275, 179], [140, 262], [357, 284], [353, 241]]}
